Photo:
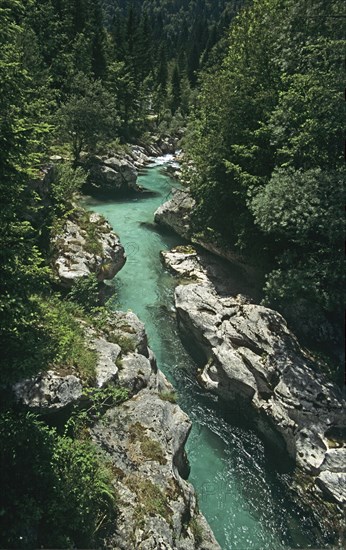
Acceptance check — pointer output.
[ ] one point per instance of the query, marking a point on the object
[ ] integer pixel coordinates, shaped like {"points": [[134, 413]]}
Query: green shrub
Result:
{"points": [[85, 292], [67, 182], [97, 402], [92, 231], [56, 492], [66, 338], [104, 398], [51, 337], [127, 344]]}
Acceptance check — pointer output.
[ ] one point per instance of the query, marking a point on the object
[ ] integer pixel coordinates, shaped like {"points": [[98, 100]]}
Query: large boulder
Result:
{"points": [[126, 328], [184, 262], [111, 176], [139, 156], [144, 440], [176, 213], [82, 248], [194, 264], [250, 358], [108, 354]]}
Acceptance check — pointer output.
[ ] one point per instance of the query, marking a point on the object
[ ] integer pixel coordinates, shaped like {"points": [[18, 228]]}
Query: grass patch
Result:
{"points": [[185, 249], [92, 231], [127, 344], [197, 531], [67, 340], [136, 432], [151, 500], [150, 448], [101, 321]]}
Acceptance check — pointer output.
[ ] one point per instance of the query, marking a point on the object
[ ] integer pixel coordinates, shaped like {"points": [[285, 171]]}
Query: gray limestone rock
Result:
{"points": [[144, 439], [176, 212], [72, 258], [126, 326], [335, 460], [48, 392], [135, 372], [183, 261], [109, 176], [139, 156], [333, 484], [107, 355], [252, 357]]}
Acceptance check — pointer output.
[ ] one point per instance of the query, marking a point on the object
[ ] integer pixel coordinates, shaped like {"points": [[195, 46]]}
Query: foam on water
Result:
{"points": [[159, 161]]}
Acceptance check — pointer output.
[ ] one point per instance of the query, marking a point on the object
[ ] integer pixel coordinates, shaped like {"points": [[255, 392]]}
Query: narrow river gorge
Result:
{"points": [[240, 490]]}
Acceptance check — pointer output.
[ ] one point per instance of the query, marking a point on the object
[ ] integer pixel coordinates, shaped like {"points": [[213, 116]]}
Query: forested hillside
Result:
{"points": [[69, 85], [267, 149], [264, 104]]}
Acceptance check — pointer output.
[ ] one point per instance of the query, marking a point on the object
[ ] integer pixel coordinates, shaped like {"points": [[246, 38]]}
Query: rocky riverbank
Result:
{"points": [[250, 359], [142, 438], [116, 174], [307, 318], [85, 244], [176, 213]]}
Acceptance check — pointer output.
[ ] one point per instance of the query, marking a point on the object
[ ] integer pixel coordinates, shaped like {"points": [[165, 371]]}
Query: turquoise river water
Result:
{"points": [[239, 488]]}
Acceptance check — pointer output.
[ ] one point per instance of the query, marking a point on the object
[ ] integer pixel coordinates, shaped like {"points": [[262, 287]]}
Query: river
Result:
{"points": [[240, 491]]}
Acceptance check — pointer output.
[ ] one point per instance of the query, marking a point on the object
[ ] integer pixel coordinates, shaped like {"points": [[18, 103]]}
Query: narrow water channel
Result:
{"points": [[239, 489]]}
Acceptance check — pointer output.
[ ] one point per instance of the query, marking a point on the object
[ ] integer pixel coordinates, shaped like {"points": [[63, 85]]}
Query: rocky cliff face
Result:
{"points": [[85, 247], [144, 439], [176, 213], [251, 359]]}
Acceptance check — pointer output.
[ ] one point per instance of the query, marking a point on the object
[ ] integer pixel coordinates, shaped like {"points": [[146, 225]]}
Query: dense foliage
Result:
{"points": [[55, 491], [267, 153], [265, 144]]}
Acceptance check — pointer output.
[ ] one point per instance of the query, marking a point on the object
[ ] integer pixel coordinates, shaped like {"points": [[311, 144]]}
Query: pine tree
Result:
{"points": [[176, 90]]}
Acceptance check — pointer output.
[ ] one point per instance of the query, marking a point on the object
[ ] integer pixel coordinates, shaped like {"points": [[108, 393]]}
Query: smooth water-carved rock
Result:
{"points": [[252, 357], [79, 250], [48, 392], [333, 484], [176, 213]]}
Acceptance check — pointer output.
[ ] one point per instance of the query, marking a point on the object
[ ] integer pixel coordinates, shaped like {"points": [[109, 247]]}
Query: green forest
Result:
{"points": [[267, 151], [256, 91]]}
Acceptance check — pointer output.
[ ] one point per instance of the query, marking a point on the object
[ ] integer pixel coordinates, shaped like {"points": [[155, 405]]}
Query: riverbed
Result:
{"points": [[240, 489]]}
